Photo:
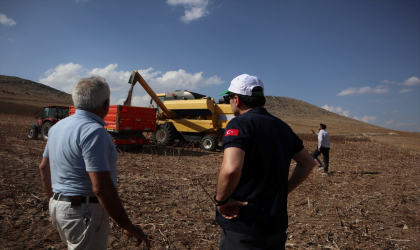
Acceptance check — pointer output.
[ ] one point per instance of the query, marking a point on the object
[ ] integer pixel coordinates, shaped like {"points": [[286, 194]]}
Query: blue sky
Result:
{"points": [[360, 59]]}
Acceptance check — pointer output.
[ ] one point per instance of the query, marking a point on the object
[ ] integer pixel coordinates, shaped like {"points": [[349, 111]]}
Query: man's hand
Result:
{"points": [[107, 194], [231, 209], [136, 232], [319, 149]]}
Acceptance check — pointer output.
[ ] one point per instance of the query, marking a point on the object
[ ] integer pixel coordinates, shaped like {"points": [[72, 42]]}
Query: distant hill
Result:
{"points": [[22, 97], [285, 106]]}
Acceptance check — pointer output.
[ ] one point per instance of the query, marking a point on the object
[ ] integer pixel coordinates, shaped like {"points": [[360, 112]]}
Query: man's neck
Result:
{"points": [[243, 111]]}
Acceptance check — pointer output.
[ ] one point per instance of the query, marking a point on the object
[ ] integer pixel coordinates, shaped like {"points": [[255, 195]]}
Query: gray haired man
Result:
{"points": [[79, 172]]}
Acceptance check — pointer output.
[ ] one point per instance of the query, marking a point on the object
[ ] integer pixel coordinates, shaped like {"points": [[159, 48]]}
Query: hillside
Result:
{"points": [[22, 97]]}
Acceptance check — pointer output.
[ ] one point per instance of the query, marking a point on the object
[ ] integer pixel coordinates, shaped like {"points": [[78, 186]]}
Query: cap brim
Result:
{"points": [[224, 93]]}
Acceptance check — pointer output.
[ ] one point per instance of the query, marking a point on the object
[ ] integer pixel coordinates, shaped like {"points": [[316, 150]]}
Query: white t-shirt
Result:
{"points": [[323, 138]]}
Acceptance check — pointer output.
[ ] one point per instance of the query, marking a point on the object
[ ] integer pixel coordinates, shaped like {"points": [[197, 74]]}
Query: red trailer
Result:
{"points": [[126, 124]]}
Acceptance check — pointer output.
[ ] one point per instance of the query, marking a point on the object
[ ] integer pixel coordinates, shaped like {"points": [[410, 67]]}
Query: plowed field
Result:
{"points": [[371, 200]]}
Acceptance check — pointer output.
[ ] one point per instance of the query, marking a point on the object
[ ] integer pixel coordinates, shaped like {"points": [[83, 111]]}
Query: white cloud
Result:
{"points": [[6, 21], [380, 89], [140, 101], [389, 123], [194, 9], [346, 113], [412, 81], [367, 119], [405, 90], [181, 79], [63, 77], [337, 110], [388, 82]]}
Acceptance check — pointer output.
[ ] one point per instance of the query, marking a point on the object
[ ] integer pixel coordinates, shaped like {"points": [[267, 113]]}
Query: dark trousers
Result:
{"points": [[231, 240], [325, 154]]}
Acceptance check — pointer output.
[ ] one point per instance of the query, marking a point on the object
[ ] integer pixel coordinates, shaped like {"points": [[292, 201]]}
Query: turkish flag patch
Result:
{"points": [[232, 132]]}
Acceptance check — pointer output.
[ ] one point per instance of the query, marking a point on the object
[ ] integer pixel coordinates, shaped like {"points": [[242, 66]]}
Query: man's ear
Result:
{"points": [[106, 104], [237, 101]]}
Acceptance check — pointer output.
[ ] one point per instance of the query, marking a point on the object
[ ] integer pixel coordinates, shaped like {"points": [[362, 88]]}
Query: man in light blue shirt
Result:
{"points": [[79, 172], [323, 146], [88, 149]]}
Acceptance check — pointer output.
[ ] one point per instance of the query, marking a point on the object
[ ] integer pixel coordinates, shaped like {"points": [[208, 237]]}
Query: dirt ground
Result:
{"points": [[370, 200]]}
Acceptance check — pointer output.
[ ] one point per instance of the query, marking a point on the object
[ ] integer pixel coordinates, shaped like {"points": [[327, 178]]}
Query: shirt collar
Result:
{"points": [[90, 115], [258, 111]]}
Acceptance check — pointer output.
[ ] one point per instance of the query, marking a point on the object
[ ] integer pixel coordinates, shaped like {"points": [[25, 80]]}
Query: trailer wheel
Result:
{"points": [[33, 132], [209, 143], [165, 134], [44, 131]]}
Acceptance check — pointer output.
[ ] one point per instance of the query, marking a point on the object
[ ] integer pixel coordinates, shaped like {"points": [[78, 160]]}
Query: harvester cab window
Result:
{"points": [[162, 99]]}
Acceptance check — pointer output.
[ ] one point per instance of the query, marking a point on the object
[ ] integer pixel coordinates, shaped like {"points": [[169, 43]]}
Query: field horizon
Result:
{"points": [[22, 97]]}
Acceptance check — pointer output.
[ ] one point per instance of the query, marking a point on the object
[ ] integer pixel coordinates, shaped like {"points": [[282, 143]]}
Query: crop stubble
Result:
{"points": [[370, 200]]}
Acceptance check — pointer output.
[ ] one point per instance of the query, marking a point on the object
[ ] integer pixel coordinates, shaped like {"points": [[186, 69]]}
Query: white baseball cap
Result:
{"points": [[244, 84]]}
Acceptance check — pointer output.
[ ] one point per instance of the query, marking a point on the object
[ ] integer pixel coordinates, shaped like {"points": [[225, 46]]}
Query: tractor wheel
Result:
{"points": [[165, 134], [209, 143], [33, 132], [44, 131]]}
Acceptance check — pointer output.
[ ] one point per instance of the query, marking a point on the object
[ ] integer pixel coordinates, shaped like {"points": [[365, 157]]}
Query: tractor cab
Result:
{"points": [[49, 116], [52, 114]]}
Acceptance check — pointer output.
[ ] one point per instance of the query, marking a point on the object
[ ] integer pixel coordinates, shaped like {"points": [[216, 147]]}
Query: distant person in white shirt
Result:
{"points": [[323, 146]]}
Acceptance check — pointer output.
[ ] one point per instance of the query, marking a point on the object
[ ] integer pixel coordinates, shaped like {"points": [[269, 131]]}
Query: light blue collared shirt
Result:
{"points": [[77, 145]]}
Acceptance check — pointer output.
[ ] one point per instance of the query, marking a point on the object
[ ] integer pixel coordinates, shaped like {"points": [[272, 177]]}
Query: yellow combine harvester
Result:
{"points": [[187, 116]]}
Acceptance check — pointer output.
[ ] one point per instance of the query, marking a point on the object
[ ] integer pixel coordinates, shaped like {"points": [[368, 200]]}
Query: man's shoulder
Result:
{"points": [[79, 124], [258, 113], [85, 120]]}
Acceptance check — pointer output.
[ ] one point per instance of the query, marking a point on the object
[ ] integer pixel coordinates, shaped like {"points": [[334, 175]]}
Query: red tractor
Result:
{"points": [[50, 115]]}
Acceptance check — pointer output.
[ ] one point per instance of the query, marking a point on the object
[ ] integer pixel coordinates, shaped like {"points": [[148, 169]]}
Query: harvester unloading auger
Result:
{"points": [[185, 116]]}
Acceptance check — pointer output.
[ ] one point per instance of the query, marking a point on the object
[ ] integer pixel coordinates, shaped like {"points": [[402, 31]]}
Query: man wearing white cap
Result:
{"points": [[253, 184]]}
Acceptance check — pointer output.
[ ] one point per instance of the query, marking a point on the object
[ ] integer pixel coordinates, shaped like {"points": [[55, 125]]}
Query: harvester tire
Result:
{"points": [[44, 131], [165, 134], [33, 132], [209, 143]]}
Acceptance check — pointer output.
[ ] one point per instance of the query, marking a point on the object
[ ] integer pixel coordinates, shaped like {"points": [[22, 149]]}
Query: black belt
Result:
{"points": [[68, 198]]}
